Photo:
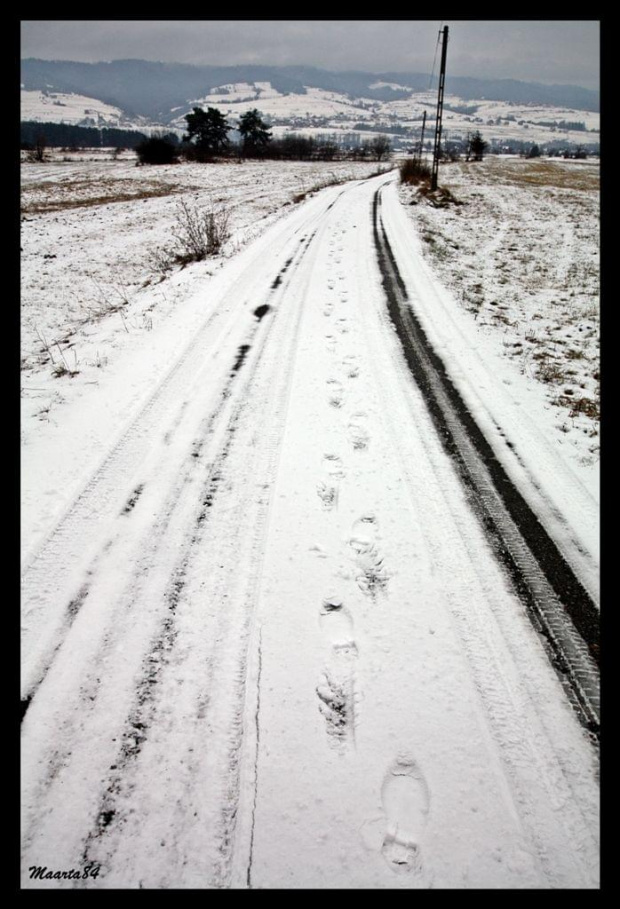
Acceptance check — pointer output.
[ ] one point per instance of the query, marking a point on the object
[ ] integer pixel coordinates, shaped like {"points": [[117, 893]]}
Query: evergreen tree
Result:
{"points": [[255, 134], [477, 147], [207, 131]]}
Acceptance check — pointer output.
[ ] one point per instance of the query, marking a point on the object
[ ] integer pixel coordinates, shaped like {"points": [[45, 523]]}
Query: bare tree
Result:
{"points": [[37, 154], [381, 147]]}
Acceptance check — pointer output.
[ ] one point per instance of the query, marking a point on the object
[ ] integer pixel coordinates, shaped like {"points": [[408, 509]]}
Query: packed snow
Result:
{"points": [[265, 640], [93, 289]]}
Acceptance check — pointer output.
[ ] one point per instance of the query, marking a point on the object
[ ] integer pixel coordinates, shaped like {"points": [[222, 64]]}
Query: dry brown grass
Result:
{"points": [[557, 174], [583, 405], [59, 196]]}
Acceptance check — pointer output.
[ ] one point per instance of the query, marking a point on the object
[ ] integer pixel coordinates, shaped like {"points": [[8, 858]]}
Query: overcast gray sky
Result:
{"points": [[536, 51]]}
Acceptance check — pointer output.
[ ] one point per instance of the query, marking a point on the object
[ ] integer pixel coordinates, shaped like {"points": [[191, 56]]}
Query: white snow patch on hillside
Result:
{"points": [[59, 107], [393, 85], [315, 103]]}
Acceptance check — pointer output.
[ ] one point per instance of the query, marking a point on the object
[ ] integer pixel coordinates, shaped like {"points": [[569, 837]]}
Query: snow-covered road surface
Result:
{"points": [[269, 644]]}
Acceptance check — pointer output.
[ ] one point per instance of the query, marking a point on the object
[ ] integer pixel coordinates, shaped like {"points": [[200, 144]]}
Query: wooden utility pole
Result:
{"points": [[442, 80]]}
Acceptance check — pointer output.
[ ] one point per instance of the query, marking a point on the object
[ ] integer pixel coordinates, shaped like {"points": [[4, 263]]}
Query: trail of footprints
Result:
{"points": [[405, 796], [371, 575]]}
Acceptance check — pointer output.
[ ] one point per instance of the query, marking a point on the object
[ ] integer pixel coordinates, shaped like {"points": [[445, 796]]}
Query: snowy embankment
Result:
{"points": [[518, 328], [269, 643], [520, 254]]}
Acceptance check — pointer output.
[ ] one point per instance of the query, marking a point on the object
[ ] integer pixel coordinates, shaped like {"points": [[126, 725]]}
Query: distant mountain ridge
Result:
{"points": [[144, 88]]}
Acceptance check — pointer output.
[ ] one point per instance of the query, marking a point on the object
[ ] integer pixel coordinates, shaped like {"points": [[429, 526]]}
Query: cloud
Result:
{"points": [[544, 51]]}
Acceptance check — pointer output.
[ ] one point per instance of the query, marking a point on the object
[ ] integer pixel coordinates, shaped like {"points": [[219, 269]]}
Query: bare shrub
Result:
{"points": [[199, 233], [157, 149], [38, 153], [414, 171], [161, 260], [438, 198]]}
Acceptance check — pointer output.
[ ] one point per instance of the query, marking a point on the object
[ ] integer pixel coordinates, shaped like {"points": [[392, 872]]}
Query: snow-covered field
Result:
{"points": [[266, 642], [521, 255]]}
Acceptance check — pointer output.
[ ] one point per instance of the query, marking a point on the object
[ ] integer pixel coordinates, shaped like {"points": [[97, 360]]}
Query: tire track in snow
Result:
{"points": [[129, 446], [301, 726], [557, 603], [43, 581], [135, 591], [268, 382], [134, 736], [494, 654]]}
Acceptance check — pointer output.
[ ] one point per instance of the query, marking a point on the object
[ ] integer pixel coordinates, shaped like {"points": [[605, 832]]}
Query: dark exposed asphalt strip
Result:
{"points": [[555, 600]]}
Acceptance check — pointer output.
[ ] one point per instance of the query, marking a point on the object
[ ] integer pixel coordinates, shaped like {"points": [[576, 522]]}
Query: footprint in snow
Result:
{"points": [[336, 691], [333, 466], [327, 489], [337, 626], [358, 434], [406, 800], [350, 364], [364, 532], [328, 494], [335, 393], [371, 575], [335, 706]]}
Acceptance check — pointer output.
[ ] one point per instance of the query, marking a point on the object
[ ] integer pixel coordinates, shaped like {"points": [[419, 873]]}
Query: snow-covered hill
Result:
{"points": [[74, 109], [333, 111], [136, 93]]}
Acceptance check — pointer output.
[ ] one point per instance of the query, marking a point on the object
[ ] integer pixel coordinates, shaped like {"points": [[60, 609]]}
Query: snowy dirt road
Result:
{"points": [[271, 644]]}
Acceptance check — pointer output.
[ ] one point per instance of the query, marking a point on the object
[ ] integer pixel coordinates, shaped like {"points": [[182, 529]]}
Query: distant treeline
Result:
{"points": [[454, 148], [574, 125], [64, 135], [290, 147]]}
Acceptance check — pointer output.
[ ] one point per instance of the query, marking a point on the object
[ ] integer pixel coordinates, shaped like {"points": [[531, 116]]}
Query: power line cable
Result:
{"points": [[430, 81]]}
